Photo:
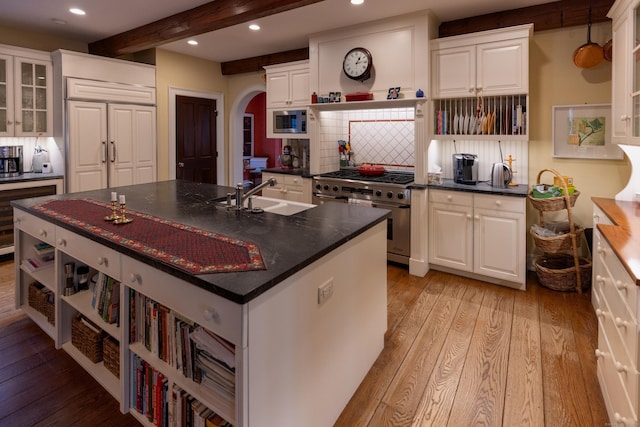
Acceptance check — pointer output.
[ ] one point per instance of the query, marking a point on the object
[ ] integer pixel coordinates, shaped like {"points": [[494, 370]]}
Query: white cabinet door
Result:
{"points": [[132, 145], [299, 84], [6, 95], [87, 149], [277, 90], [499, 244], [451, 236], [453, 72], [502, 67], [620, 99], [33, 96]]}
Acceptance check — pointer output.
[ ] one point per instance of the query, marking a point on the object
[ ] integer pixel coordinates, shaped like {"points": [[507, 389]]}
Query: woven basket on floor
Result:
{"points": [[38, 298], [87, 340], [111, 355], [556, 243], [558, 272]]}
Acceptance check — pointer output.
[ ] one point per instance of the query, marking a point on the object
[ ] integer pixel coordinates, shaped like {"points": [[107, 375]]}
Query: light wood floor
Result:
{"points": [[458, 352]]}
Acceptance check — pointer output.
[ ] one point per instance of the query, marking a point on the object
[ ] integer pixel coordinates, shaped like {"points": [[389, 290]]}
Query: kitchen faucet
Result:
{"points": [[240, 198]]}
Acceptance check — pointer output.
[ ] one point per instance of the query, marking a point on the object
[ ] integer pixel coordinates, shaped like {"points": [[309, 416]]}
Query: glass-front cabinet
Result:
{"points": [[635, 55], [26, 97]]}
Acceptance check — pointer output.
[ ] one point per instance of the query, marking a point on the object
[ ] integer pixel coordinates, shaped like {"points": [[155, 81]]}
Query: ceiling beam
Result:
{"points": [[202, 19], [251, 65], [548, 16]]}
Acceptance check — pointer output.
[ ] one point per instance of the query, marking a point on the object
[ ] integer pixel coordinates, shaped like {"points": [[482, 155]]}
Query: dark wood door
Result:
{"points": [[196, 139]]}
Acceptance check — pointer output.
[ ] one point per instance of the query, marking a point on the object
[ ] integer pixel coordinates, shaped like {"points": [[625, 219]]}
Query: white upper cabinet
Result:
{"points": [[625, 77], [488, 63], [26, 98], [288, 85]]}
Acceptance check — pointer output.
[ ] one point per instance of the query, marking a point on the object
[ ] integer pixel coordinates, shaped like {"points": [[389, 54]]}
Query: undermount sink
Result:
{"points": [[277, 206]]}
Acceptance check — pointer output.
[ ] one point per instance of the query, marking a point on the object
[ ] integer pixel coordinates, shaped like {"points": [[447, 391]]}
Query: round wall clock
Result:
{"points": [[357, 64]]}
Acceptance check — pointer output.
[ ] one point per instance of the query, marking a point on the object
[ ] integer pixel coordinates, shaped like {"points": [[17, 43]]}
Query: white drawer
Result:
{"points": [[620, 318], [501, 203], [622, 407], [599, 217], [209, 310], [625, 287], [621, 359], [293, 180], [38, 228], [451, 197], [89, 252]]}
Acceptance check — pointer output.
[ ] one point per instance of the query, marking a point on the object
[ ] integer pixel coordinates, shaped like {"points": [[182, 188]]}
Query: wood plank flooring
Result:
{"points": [[458, 352]]}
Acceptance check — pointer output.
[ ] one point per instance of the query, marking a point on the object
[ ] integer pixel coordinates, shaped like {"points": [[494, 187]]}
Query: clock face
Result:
{"points": [[357, 64]]}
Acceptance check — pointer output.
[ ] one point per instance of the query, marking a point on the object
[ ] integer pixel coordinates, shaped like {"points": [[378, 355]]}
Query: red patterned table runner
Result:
{"points": [[190, 249]]}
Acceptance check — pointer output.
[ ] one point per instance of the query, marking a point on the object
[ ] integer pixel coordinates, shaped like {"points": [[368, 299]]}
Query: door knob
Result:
{"points": [[180, 164]]}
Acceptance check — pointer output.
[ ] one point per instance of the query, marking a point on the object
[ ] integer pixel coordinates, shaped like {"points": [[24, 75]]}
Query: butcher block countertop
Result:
{"points": [[624, 236]]}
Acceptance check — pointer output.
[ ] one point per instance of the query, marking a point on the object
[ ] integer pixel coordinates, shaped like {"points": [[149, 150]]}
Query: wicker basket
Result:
{"points": [[87, 340], [552, 203], [111, 355], [38, 298], [558, 272], [556, 243]]}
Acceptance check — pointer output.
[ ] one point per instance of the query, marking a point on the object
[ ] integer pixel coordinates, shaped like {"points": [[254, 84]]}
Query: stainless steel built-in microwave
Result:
{"points": [[291, 121]]}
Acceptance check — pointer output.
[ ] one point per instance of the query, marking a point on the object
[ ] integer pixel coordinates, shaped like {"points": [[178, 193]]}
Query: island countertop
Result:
{"points": [[287, 243]]}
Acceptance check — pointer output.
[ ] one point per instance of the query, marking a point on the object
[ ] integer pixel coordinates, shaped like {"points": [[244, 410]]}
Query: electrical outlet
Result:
{"points": [[325, 291]]}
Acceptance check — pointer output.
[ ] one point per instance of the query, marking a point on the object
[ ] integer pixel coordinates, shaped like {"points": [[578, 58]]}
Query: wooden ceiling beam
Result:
{"points": [[202, 19], [251, 65], [548, 16]]}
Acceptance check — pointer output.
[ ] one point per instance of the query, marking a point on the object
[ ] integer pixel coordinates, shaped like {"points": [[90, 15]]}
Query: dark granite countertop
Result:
{"points": [[29, 176], [482, 187], [288, 243]]}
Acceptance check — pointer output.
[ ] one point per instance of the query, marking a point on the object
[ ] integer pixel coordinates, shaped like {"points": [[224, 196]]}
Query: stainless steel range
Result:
{"points": [[387, 191]]}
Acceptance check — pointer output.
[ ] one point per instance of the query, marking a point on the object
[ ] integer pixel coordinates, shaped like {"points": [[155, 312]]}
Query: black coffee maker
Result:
{"points": [[465, 168], [11, 161]]}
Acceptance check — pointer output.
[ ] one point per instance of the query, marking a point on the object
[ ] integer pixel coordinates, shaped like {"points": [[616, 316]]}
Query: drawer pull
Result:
{"points": [[621, 323], [599, 279], [103, 261], [498, 203], [42, 232], [601, 250], [600, 313], [468, 216], [62, 242], [135, 277], [210, 314], [449, 198], [622, 286], [17, 220], [600, 353], [621, 368], [619, 418]]}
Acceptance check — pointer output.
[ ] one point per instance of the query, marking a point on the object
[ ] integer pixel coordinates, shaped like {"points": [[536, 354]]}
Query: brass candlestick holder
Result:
{"points": [[114, 212], [122, 219]]}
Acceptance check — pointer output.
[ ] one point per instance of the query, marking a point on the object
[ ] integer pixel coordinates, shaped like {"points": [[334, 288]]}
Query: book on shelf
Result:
{"points": [[44, 250], [106, 298], [37, 263]]}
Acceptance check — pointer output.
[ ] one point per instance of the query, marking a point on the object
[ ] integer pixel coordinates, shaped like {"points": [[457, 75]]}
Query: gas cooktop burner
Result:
{"points": [[387, 177]]}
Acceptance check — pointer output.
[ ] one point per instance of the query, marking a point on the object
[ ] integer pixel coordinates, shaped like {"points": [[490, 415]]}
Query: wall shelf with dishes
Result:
{"points": [[481, 118]]}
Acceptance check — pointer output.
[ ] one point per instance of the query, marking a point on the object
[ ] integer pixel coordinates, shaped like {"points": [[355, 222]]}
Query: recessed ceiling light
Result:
{"points": [[77, 11], [193, 42], [357, 1], [254, 27]]}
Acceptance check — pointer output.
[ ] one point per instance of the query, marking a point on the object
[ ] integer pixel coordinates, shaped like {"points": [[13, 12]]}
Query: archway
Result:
{"points": [[235, 135]]}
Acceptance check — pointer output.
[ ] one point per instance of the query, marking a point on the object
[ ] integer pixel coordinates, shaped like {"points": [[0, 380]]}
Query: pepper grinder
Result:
{"points": [[69, 288]]}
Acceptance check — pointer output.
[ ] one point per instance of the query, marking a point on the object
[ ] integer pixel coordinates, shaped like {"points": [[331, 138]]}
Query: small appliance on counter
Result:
{"points": [[465, 168], [11, 161], [501, 175], [286, 158]]}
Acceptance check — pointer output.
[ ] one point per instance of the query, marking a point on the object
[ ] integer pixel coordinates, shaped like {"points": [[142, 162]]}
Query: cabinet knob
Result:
{"points": [[18, 123], [42, 232], [210, 314], [135, 277], [103, 261], [600, 313], [498, 203], [468, 216], [600, 250], [476, 217], [471, 89], [62, 242], [622, 286], [619, 418], [621, 323], [621, 368], [17, 220], [449, 198], [596, 217], [624, 117], [600, 353]]}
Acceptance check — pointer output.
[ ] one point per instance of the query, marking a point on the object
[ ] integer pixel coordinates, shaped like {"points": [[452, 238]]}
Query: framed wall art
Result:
{"points": [[584, 132]]}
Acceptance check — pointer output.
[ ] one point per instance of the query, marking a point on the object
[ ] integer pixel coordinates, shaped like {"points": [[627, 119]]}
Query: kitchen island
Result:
{"points": [[304, 329]]}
